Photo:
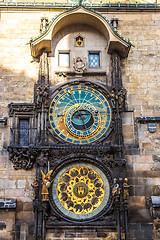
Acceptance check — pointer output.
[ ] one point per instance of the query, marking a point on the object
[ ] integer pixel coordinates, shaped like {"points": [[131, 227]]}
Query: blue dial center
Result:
{"points": [[82, 119]]}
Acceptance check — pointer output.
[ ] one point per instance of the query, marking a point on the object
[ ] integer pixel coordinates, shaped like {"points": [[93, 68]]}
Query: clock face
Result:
{"points": [[80, 114], [80, 191]]}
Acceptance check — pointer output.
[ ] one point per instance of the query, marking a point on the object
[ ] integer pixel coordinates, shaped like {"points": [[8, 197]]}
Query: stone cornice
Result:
{"points": [[26, 157], [17, 108], [100, 6], [148, 119]]}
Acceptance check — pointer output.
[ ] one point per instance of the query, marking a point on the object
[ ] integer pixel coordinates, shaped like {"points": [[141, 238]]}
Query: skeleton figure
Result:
{"points": [[45, 185]]}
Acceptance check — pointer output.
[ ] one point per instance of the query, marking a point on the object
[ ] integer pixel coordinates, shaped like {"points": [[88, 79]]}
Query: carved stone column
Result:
{"points": [[121, 208], [126, 219], [35, 209], [117, 205], [117, 85], [41, 98], [116, 71], [40, 207]]}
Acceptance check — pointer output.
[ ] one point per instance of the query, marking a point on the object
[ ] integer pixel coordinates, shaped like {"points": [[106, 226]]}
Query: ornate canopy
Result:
{"points": [[81, 15]]}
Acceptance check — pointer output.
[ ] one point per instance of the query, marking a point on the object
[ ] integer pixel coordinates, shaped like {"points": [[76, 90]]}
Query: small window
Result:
{"points": [[64, 59], [94, 59], [24, 132]]}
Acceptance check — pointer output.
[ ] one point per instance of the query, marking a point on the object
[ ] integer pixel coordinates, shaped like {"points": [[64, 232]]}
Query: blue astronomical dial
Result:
{"points": [[80, 114], [82, 119]]}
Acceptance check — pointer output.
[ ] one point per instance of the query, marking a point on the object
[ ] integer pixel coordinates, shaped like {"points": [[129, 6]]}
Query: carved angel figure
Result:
{"points": [[45, 185], [79, 65]]}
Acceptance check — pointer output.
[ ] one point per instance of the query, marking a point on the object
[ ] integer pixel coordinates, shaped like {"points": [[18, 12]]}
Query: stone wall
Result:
{"points": [[141, 79], [85, 234], [140, 71]]}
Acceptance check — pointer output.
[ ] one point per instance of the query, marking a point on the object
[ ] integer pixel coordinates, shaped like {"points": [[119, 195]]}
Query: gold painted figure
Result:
{"points": [[114, 98], [126, 189], [79, 41], [45, 185]]}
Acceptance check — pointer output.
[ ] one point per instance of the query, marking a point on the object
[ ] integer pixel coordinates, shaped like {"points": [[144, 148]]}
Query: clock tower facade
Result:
{"points": [[77, 143], [79, 102]]}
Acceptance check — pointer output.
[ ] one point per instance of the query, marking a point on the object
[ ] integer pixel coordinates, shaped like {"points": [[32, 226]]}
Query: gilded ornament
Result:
{"points": [[80, 190], [45, 185]]}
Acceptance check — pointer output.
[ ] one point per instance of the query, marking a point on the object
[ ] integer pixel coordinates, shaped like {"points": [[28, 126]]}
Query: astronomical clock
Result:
{"points": [[80, 114], [81, 119], [72, 132], [78, 155]]}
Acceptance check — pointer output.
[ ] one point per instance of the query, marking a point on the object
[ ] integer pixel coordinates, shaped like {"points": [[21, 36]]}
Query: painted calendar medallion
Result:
{"points": [[80, 191]]}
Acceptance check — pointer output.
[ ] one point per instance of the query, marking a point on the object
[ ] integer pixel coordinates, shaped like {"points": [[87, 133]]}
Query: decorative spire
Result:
{"points": [[114, 22], [80, 2]]}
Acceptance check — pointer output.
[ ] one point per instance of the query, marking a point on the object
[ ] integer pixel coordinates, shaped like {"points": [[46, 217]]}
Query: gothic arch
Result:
{"points": [[81, 15]]}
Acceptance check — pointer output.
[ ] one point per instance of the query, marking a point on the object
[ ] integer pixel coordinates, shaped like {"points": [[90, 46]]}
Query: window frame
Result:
{"points": [[19, 119], [95, 52], [64, 52]]}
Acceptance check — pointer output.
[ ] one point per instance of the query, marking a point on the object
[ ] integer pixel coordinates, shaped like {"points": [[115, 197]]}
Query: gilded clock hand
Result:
{"points": [[82, 119], [76, 105], [62, 115], [79, 113], [84, 114]]}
